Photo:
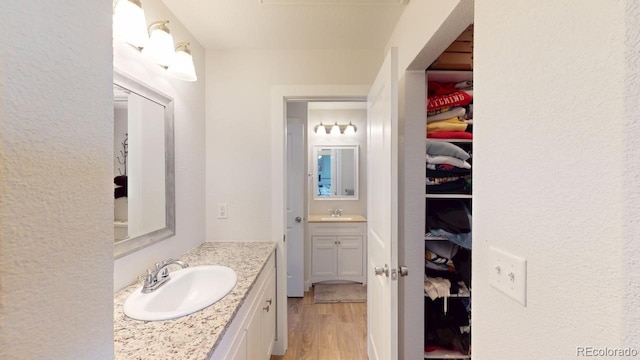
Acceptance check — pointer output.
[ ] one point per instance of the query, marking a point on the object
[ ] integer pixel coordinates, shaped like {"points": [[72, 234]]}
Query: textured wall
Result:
{"points": [[631, 249], [189, 125], [238, 126], [56, 166], [552, 181]]}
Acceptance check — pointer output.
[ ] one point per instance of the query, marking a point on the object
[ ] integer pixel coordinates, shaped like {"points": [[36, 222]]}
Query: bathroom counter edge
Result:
{"points": [[329, 218]]}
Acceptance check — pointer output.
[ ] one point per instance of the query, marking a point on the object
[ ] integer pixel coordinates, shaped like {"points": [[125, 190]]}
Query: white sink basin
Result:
{"points": [[187, 291], [336, 218]]}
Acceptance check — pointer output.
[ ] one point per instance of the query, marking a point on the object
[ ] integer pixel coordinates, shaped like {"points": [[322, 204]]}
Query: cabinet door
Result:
{"points": [[254, 336], [350, 256], [240, 352], [269, 316], [324, 256]]}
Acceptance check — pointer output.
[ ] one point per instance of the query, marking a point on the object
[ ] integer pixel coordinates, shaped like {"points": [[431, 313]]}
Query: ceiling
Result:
{"points": [[289, 24]]}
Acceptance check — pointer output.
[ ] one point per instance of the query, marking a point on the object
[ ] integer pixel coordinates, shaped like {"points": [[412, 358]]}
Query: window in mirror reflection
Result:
{"points": [[337, 172]]}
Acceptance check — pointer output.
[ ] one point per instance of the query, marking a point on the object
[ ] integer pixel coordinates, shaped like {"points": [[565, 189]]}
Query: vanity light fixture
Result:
{"points": [[321, 129], [182, 65], [129, 23], [160, 45], [336, 129], [156, 42]]}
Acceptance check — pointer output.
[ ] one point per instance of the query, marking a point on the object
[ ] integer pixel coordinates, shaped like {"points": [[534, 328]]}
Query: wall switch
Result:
{"points": [[222, 210], [508, 273]]}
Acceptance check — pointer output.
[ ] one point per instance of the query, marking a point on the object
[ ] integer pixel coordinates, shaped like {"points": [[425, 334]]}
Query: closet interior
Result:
{"points": [[448, 202]]}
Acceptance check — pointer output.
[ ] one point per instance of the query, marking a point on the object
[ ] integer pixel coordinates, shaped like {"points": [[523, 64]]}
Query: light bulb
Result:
{"points": [[182, 65], [129, 23], [350, 129], [160, 45], [335, 130]]}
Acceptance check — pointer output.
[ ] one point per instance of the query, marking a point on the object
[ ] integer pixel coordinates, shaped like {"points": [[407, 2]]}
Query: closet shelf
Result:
{"points": [[445, 354], [448, 196], [456, 296], [429, 237]]}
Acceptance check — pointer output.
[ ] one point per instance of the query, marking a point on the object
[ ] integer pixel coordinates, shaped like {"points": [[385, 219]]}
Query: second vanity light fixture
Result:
{"points": [[155, 41], [335, 129]]}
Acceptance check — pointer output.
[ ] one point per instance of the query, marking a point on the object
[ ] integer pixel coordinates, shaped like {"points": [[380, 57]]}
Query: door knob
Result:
{"points": [[403, 271], [379, 270], [298, 219]]}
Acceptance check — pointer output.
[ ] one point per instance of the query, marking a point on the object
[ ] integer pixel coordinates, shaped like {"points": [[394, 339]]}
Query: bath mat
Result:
{"points": [[339, 293]]}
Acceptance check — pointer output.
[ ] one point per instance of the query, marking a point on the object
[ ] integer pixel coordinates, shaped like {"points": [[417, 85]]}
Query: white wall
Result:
{"points": [[238, 126], [358, 117], [556, 133], [631, 235], [189, 125], [56, 180]]}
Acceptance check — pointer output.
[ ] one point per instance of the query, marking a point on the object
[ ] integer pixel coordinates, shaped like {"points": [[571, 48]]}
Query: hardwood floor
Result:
{"points": [[325, 331]]}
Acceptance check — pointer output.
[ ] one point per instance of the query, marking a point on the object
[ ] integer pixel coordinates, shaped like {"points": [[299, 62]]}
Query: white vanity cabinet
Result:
{"points": [[338, 251], [252, 332]]}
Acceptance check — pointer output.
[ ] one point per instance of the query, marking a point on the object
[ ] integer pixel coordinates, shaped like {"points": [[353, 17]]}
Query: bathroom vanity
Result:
{"points": [[241, 326], [338, 248]]}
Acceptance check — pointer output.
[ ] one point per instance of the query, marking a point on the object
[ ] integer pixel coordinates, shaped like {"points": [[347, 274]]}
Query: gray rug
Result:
{"points": [[339, 293]]}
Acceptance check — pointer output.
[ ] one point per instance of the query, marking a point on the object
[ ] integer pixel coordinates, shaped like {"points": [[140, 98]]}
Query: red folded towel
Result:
{"points": [[451, 135]]}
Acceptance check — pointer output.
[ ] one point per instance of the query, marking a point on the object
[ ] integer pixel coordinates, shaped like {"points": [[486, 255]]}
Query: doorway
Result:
{"points": [[325, 172], [280, 95]]}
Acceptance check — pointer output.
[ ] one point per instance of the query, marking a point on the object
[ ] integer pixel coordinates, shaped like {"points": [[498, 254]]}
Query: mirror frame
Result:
{"points": [[128, 246], [356, 154]]}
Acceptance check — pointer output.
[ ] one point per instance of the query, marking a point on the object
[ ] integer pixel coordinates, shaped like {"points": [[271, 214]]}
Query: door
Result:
{"points": [[382, 212], [295, 204]]}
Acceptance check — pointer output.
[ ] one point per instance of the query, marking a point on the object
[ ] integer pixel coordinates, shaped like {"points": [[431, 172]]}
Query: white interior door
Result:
{"points": [[295, 204], [382, 212]]}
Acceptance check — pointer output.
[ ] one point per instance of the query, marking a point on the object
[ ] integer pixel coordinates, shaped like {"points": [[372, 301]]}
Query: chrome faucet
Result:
{"points": [[335, 212], [154, 279]]}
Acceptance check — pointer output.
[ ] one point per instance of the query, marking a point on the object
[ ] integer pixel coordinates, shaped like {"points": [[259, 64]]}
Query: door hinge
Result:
{"points": [[284, 238]]}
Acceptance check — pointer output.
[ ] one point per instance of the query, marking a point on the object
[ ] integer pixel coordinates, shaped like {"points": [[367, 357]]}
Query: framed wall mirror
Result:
{"points": [[335, 172], [143, 176]]}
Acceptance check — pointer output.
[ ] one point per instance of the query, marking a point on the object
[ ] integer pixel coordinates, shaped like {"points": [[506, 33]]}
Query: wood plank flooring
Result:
{"points": [[325, 331]]}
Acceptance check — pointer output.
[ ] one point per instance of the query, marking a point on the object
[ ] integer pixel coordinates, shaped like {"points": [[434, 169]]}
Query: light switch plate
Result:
{"points": [[222, 210], [508, 273]]}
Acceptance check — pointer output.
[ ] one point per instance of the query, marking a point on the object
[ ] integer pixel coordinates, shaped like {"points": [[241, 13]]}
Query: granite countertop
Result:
{"points": [[329, 218], [194, 336]]}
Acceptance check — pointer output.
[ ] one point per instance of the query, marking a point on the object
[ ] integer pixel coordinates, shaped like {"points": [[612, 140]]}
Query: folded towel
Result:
{"points": [[446, 148], [453, 124], [461, 135], [443, 159], [457, 111]]}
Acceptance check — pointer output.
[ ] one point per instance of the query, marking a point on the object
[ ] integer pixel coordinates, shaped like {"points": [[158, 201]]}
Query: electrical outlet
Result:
{"points": [[222, 210], [508, 273]]}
